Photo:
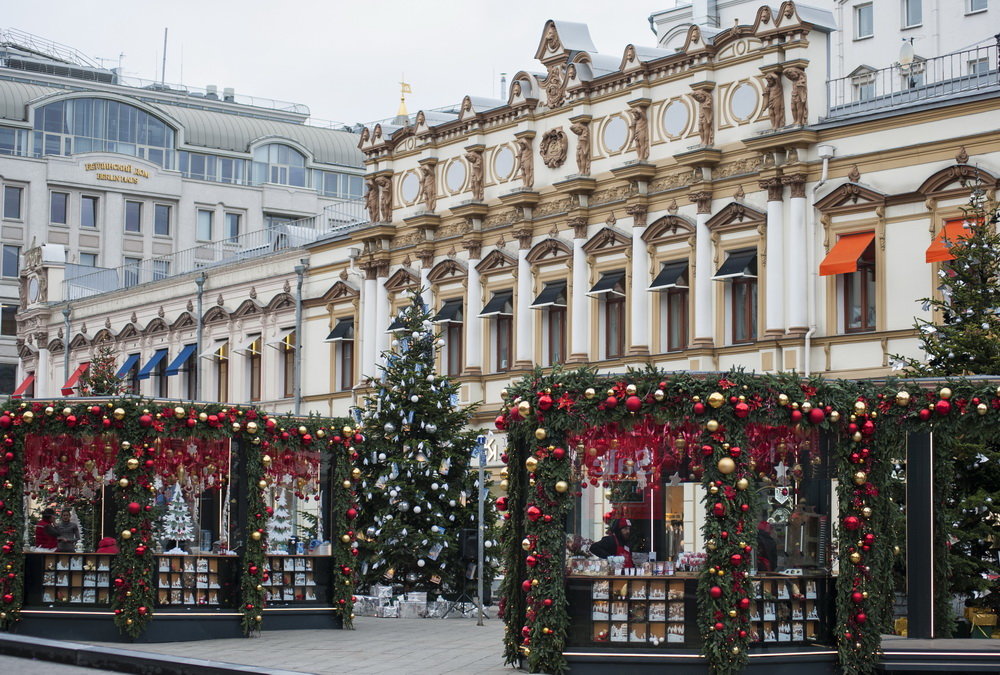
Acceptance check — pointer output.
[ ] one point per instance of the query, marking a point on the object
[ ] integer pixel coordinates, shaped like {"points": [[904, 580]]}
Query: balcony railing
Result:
{"points": [[938, 78], [83, 281]]}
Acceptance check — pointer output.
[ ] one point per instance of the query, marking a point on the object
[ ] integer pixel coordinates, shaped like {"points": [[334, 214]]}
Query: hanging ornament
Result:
{"points": [[633, 404], [726, 466]]}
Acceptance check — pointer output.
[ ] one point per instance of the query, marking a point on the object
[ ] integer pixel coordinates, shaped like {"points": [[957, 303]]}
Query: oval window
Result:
{"points": [[410, 187], [503, 162], [455, 176], [675, 118], [615, 134], [744, 101]]}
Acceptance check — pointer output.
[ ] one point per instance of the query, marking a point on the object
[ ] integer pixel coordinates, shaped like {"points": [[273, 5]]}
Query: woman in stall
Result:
{"points": [[617, 541]]}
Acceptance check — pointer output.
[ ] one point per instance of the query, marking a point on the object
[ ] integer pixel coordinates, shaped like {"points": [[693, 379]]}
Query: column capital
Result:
{"points": [[638, 213], [579, 225], [426, 256], [774, 187], [797, 182], [474, 247], [703, 199], [524, 236]]}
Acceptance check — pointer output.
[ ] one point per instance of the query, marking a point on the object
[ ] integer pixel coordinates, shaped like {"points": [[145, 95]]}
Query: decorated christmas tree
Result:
{"points": [[177, 524], [279, 526], [100, 378], [415, 485]]}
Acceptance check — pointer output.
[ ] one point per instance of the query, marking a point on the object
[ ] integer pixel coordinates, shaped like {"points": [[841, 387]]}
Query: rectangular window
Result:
{"points": [[160, 377], [865, 90], [864, 21], [88, 211], [161, 219], [88, 259], [859, 294], [505, 342], [8, 324], [12, 202], [58, 207], [8, 377], [912, 13], [232, 226], [677, 319], [133, 216], [614, 326], [253, 365], [346, 364], [130, 272], [977, 6], [222, 373], [205, 225], [161, 269], [132, 376], [557, 335], [454, 339], [11, 263], [287, 348], [979, 67], [744, 316]]}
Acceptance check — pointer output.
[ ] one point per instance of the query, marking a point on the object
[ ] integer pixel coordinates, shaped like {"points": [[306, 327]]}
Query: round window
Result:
{"points": [[615, 134], [744, 101], [503, 162], [410, 187], [455, 176], [675, 118]]}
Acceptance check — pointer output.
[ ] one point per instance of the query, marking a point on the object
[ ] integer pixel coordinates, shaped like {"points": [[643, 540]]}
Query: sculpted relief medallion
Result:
{"points": [[553, 148]]}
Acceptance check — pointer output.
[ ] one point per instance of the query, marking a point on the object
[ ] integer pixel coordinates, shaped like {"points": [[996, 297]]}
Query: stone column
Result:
{"points": [[797, 276], [523, 316], [382, 317], [42, 365], [639, 342], [473, 306], [579, 325], [704, 312], [368, 323], [774, 302], [426, 263]]}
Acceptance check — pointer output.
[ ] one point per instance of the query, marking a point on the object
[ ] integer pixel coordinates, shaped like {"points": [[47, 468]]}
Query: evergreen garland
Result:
{"points": [[11, 519], [254, 563], [343, 445]]}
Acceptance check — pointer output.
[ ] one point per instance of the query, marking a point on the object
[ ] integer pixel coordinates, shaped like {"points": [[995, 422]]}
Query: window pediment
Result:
{"points": [[608, 240], [214, 315], [495, 261], [666, 228], [185, 320], [549, 250], [736, 215], [280, 301], [447, 270], [956, 178], [402, 279], [248, 307], [157, 325], [78, 341], [851, 195]]}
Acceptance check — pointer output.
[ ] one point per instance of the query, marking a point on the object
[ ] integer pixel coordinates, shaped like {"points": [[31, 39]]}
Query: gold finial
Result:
{"points": [[404, 89]]}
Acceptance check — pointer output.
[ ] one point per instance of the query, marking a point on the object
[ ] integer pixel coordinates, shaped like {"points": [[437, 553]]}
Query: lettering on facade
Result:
{"points": [[132, 173]]}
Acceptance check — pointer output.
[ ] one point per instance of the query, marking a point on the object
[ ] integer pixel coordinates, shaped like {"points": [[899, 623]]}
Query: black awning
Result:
{"points": [[397, 324], [608, 283], [553, 295], [738, 264], [673, 275], [344, 330], [451, 311], [498, 305]]}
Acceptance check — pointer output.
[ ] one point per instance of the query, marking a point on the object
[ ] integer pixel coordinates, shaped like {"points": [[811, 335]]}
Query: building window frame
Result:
{"points": [[864, 14], [90, 213], [161, 226], [614, 327], [130, 271], [159, 374], [10, 263], [133, 216], [556, 338], [254, 365], [8, 320], [88, 258], [743, 300], [58, 208], [204, 224], [13, 202], [233, 224], [860, 291], [132, 380], [287, 348], [222, 372], [976, 6], [911, 14], [677, 311]]}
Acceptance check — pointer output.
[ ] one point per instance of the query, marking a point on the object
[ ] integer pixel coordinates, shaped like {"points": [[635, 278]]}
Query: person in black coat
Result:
{"points": [[616, 543]]}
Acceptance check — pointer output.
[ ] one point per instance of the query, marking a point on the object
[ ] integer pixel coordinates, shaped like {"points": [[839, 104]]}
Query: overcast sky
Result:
{"points": [[342, 59]]}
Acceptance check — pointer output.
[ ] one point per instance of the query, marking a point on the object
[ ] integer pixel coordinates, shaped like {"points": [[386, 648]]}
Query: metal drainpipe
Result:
{"points": [[300, 271], [811, 266], [66, 326], [199, 335]]}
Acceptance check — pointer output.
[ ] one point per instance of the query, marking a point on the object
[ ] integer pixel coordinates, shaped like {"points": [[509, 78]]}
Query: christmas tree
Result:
{"points": [[177, 524], [279, 525], [415, 470], [100, 378], [966, 341]]}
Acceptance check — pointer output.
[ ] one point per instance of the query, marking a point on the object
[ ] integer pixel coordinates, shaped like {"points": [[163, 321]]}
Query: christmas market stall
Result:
{"points": [[734, 521], [167, 521]]}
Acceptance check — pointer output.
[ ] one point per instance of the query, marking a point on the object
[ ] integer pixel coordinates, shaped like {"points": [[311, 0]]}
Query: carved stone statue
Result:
{"points": [[475, 160], [428, 187], [515, 89], [525, 162], [553, 148], [775, 93], [706, 115], [640, 132], [582, 130], [555, 86], [384, 184], [800, 95], [371, 199]]}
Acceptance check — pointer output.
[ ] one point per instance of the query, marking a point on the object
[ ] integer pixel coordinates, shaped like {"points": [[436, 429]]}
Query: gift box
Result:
{"points": [[979, 616], [900, 626]]}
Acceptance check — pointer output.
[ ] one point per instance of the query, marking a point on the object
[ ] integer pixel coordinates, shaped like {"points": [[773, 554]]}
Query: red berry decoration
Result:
{"points": [[852, 522], [544, 402], [942, 407], [817, 416], [741, 410], [633, 404], [715, 592]]}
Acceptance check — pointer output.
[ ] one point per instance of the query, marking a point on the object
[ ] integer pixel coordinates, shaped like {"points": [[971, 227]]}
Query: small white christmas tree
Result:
{"points": [[177, 524], [279, 527]]}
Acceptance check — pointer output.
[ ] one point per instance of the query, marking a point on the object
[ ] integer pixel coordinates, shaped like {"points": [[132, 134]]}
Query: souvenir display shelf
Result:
{"points": [[297, 579], [75, 579], [193, 580], [660, 612]]}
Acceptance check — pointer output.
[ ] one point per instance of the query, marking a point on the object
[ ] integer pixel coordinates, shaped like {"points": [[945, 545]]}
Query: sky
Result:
{"points": [[342, 59]]}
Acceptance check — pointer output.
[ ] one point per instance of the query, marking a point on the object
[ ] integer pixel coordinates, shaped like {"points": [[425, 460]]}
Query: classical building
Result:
{"points": [[120, 182]]}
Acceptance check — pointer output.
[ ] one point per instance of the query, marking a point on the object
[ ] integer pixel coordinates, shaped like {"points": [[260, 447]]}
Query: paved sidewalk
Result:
{"points": [[376, 646]]}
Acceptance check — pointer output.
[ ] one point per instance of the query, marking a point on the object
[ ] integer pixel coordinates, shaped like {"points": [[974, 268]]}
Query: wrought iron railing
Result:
{"points": [[921, 81]]}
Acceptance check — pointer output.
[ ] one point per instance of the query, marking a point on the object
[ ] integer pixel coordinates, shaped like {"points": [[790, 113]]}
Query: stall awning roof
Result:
{"points": [[843, 257], [67, 389], [497, 306], [952, 231], [451, 312], [673, 275], [23, 387], [176, 365], [147, 369], [738, 264], [608, 283], [128, 365], [344, 330], [553, 295]]}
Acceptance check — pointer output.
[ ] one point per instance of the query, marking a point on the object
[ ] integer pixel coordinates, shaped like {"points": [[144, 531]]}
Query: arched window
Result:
{"points": [[82, 125], [278, 163]]}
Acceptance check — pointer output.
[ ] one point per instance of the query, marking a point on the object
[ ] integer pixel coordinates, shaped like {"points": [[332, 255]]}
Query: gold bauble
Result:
{"points": [[119, 413], [258, 618], [902, 398], [504, 394], [726, 465], [782, 399], [982, 408], [50, 410], [255, 536], [126, 534], [531, 464], [132, 463], [742, 484], [203, 417], [630, 390], [735, 650], [504, 484], [266, 460], [680, 443], [504, 473], [860, 478], [346, 485], [589, 393], [303, 431], [866, 512], [347, 430], [346, 538], [534, 582], [713, 490], [236, 427], [855, 557], [834, 416], [262, 483], [67, 411], [179, 412], [356, 473], [128, 622], [562, 486], [126, 445], [732, 613], [860, 407], [945, 393], [611, 392], [856, 437], [320, 433], [721, 573], [715, 399], [712, 425], [541, 433], [659, 395], [806, 406], [526, 544], [259, 588], [524, 408], [27, 416], [123, 482], [896, 550]]}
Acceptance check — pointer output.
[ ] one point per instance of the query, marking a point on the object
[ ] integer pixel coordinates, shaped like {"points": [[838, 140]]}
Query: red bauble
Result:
{"points": [[744, 603], [134, 507], [942, 407], [742, 633], [359, 438], [724, 534], [8, 598], [707, 450], [140, 550], [531, 561], [547, 602], [352, 513], [924, 415], [817, 416], [741, 410], [526, 586], [119, 582], [735, 452], [715, 592], [633, 404], [744, 507], [559, 453], [869, 539], [860, 617], [501, 503], [95, 410], [852, 522], [526, 631], [515, 414], [534, 513], [500, 423], [699, 408], [145, 420], [719, 625], [9, 456], [857, 597], [736, 560], [611, 402], [5, 421], [719, 509], [796, 416], [547, 518], [544, 402], [252, 569], [142, 611], [307, 439]]}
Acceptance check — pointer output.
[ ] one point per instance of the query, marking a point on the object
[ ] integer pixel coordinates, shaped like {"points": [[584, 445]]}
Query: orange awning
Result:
{"points": [[23, 387], [843, 257], [67, 389], [953, 230]]}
